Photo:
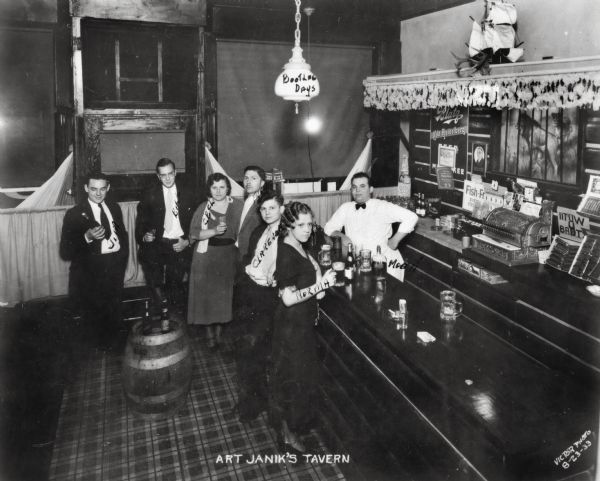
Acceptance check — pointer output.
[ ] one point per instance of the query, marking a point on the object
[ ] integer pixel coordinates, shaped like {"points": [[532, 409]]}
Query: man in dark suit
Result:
{"points": [[161, 230], [94, 239], [254, 181]]}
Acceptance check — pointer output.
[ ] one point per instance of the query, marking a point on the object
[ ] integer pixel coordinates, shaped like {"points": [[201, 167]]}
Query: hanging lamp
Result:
{"points": [[297, 82]]}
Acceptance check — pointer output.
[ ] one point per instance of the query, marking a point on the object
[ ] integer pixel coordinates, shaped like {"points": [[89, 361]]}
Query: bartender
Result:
{"points": [[368, 223]]}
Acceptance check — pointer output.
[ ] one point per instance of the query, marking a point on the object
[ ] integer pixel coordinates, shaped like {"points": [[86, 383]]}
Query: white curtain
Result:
{"points": [[54, 191], [212, 166], [362, 164], [30, 264]]}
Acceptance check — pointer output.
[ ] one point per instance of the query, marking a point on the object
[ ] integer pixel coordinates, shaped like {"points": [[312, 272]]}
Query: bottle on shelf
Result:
{"points": [[404, 178], [349, 264], [164, 316], [418, 204], [426, 212], [379, 264], [421, 210]]}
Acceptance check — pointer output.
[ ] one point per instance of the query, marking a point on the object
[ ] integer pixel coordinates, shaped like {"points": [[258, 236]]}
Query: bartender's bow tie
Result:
{"points": [[360, 206]]}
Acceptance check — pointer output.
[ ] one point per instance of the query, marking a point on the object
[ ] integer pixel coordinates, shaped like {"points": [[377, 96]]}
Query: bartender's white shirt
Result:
{"points": [[371, 226]]}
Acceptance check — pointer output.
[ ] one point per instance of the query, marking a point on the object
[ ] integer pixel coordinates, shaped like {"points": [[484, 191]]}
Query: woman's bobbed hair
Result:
{"points": [[291, 214], [268, 195]]}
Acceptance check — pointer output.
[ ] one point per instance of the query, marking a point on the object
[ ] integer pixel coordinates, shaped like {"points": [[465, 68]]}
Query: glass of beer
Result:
{"points": [[338, 268], [450, 308], [325, 256], [365, 260]]}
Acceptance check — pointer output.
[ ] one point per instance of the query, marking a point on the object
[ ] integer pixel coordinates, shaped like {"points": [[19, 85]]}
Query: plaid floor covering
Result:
{"points": [[98, 438]]}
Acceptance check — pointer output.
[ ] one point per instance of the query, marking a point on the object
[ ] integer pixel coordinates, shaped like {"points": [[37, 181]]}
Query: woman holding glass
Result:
{"points": [[294, 380], [214, 227]]}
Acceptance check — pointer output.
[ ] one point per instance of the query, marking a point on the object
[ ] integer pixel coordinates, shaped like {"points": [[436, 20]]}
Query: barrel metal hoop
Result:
{"points": [[160, 362], [153, 340]]}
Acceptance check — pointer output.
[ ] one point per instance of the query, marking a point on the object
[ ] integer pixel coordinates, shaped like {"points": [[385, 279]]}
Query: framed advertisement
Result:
{"points": [[447, 155], [449, 140], [594, 185], [479, 157], [445, 178]]}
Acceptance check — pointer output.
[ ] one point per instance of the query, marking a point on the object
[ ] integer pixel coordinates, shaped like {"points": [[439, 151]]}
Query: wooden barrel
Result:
{"points": [[157, 370]]}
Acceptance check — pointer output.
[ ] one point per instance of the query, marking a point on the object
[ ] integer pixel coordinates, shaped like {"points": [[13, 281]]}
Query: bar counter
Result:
{"points": [[467, 406], [545, 312]]}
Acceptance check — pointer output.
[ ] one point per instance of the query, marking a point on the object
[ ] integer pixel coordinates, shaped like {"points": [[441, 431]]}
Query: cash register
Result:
{"points": [[514, 238]]}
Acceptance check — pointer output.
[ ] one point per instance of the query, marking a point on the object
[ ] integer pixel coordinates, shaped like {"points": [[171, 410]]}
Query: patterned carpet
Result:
{"points": [[98, 438]]}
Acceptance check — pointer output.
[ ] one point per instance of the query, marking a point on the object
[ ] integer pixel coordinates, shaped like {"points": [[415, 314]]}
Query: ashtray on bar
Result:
{"points": [[425, 337]]}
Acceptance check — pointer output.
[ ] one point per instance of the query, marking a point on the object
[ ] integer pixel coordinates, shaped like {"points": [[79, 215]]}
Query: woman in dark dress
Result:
{"points": [[294, 356], [254, 301]]}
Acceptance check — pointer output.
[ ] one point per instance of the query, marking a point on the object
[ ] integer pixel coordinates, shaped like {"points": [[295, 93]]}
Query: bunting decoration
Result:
{"points": [[516, 92]]}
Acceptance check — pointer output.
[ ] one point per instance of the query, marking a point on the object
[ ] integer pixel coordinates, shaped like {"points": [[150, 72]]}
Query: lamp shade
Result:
{"points": [[296, 82]]}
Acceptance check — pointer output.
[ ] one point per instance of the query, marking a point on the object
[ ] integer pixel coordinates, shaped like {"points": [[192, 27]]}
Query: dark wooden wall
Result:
{"points": [[352, 22], [332, 23], [38, 88], [484, 126]]}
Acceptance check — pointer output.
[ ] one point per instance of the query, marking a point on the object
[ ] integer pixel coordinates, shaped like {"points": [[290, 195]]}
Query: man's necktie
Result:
{"points": [[360, 206], [104, 222], [174, 203], [169, 214]]}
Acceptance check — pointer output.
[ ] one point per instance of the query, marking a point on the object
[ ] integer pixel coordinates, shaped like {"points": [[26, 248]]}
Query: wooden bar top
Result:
{"points": [[469, 383], [554, 292]]}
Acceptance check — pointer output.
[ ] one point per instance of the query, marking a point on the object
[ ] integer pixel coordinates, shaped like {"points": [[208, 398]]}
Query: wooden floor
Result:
{"points": [[44, 360], [36, 343]]}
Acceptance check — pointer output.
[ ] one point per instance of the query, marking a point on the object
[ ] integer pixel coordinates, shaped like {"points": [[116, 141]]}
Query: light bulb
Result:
{"points": [[313, 125]]}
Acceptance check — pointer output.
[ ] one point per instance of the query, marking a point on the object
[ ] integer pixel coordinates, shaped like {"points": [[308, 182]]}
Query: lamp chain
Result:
{"points": [[297, 17]]}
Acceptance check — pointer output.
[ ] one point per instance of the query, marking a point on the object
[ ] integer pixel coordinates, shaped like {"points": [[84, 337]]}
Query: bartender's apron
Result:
{"points": [[395, 262]]}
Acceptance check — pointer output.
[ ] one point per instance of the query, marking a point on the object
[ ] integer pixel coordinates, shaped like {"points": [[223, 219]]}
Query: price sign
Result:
{"points": [[480, 195], [445, 178], [571, 225]]}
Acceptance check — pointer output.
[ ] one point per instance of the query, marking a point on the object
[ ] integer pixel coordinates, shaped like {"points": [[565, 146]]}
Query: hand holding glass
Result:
{"points": [[222, 225]]}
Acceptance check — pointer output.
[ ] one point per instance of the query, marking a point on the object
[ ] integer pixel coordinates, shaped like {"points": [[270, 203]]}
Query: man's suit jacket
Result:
{"points": [[85, 257], [151, 212], [251, 222]]}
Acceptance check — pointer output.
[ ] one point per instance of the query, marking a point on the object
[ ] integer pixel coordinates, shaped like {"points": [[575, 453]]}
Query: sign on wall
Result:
{"points": [[445, 178], [449, 128], [479, 157], [481, 197]]}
